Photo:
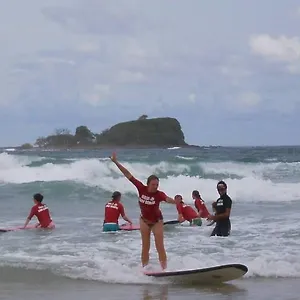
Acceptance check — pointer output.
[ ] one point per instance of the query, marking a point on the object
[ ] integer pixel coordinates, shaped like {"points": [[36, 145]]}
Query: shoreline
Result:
{"points": [[105, 147], [137, 147], [65, 289]]}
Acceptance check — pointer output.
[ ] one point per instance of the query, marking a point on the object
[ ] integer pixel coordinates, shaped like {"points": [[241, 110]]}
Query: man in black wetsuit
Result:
{"points": [[222, 207]]}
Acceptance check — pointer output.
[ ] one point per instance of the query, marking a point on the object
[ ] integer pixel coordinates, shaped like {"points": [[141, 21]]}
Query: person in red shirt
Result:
{"points": [[113, 210], [200, 205], [41, 211], [186, 212], [151, 218]]}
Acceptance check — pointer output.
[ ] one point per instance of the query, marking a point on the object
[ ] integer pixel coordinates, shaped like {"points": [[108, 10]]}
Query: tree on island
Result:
{"points": [[84, 136], [26, 146], [62, 131], [62, 137], [143, 117]]}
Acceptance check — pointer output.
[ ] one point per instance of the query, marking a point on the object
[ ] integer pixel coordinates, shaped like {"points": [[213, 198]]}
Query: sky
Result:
{"points": [[227, 70]]}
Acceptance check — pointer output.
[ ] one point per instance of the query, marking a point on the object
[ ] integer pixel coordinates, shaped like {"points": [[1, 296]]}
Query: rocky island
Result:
{"points": [[140, 133]]}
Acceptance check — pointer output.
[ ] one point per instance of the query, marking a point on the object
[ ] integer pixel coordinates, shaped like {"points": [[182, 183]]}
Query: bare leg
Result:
{"points": [[145, 234], [158, 231]]}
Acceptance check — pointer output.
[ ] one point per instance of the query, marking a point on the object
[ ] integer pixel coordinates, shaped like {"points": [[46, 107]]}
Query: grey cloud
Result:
{"points": [[94, 17], [179, 51]]}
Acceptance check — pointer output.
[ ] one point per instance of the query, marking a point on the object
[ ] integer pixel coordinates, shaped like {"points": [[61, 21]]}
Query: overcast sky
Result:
{"points": [[228, 70]]}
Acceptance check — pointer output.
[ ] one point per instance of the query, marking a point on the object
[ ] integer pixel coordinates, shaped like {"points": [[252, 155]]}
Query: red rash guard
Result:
{"points": [[149, 202], [41, 211], [186, 211], [113, 210], [200, 205]]}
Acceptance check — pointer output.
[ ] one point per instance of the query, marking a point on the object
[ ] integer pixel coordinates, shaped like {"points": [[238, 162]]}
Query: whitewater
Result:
{"points": [[262, 182]]}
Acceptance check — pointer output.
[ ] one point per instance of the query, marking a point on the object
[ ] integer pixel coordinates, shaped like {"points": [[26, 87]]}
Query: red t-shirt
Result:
{"points": [[200, 205], [41, 211], [186, 211], [149, 202], [113, 210]]}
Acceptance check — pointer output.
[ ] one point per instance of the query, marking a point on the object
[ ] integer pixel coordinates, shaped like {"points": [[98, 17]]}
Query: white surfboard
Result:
{"points": [[212, 275]]}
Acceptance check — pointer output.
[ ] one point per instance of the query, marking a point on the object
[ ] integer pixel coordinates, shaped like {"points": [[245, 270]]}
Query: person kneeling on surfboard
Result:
{"points": [[151, 218], [186, 212], [223, 208], [41, 211], [200, 205], [113, 210]]}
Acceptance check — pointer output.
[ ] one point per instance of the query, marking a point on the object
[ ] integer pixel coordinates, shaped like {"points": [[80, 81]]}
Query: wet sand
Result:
{"points": [[69, 289]]}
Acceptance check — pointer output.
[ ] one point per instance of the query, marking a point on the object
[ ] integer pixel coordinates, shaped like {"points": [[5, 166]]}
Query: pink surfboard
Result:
{"points": [[17, 228], [129, 227]]}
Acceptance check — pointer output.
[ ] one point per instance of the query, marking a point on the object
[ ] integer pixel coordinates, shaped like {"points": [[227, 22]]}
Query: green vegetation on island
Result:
{"points": [[143, 132]]}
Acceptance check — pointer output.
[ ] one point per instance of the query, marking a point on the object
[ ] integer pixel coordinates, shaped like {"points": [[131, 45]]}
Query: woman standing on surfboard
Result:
{"points": [[151, 218]]}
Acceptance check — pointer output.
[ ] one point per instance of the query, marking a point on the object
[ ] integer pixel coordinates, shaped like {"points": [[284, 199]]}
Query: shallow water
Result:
{"points": [[263, 183]]}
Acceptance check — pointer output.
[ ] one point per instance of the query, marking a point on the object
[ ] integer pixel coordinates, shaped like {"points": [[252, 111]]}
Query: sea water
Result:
{"points": [[262, 182]]}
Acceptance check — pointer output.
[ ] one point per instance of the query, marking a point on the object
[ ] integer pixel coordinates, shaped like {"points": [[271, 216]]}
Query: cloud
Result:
{"points": [[126, 76], [282, 49], [96, 17], [99, 93], [192, 97], [249, 99], [235, 69], [87, 57]]}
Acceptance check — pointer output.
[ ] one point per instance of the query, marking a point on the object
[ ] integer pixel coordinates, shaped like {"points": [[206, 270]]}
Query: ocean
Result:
{"points": [[78, 260]]}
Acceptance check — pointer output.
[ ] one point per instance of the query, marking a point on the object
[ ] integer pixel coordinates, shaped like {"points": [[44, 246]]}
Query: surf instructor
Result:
{"points": [[151, 218], [222, 208]]}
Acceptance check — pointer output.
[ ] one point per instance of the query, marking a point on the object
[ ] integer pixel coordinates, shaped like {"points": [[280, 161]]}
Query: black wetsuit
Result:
{"points": [[223, 226]]}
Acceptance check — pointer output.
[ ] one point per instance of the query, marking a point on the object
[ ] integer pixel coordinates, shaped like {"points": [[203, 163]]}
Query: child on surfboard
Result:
{"points": [[41, 211], [113, 210], [151, 218], [186, 212]]}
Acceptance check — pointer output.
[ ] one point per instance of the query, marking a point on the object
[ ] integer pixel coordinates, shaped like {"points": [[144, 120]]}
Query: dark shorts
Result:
{"points": [[222, 229], [151, 223]]}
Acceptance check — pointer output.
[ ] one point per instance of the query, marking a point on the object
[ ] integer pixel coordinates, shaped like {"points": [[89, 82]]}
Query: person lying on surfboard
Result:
{"points": [[41, 211], [151, 218], [113, 210], [186, 212], [223, 208]]}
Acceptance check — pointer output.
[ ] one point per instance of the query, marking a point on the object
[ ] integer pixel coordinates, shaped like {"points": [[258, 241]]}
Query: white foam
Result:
{"points": [[269, 249], [106, 258], [252, 187], [185, 157]]}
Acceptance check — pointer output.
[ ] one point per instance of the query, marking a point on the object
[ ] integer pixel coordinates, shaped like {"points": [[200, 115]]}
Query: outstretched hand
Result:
{"points": [[113, 157]]}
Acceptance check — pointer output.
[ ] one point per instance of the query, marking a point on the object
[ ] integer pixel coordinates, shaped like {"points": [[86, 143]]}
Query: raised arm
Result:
{"points": [[125, 172]]}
